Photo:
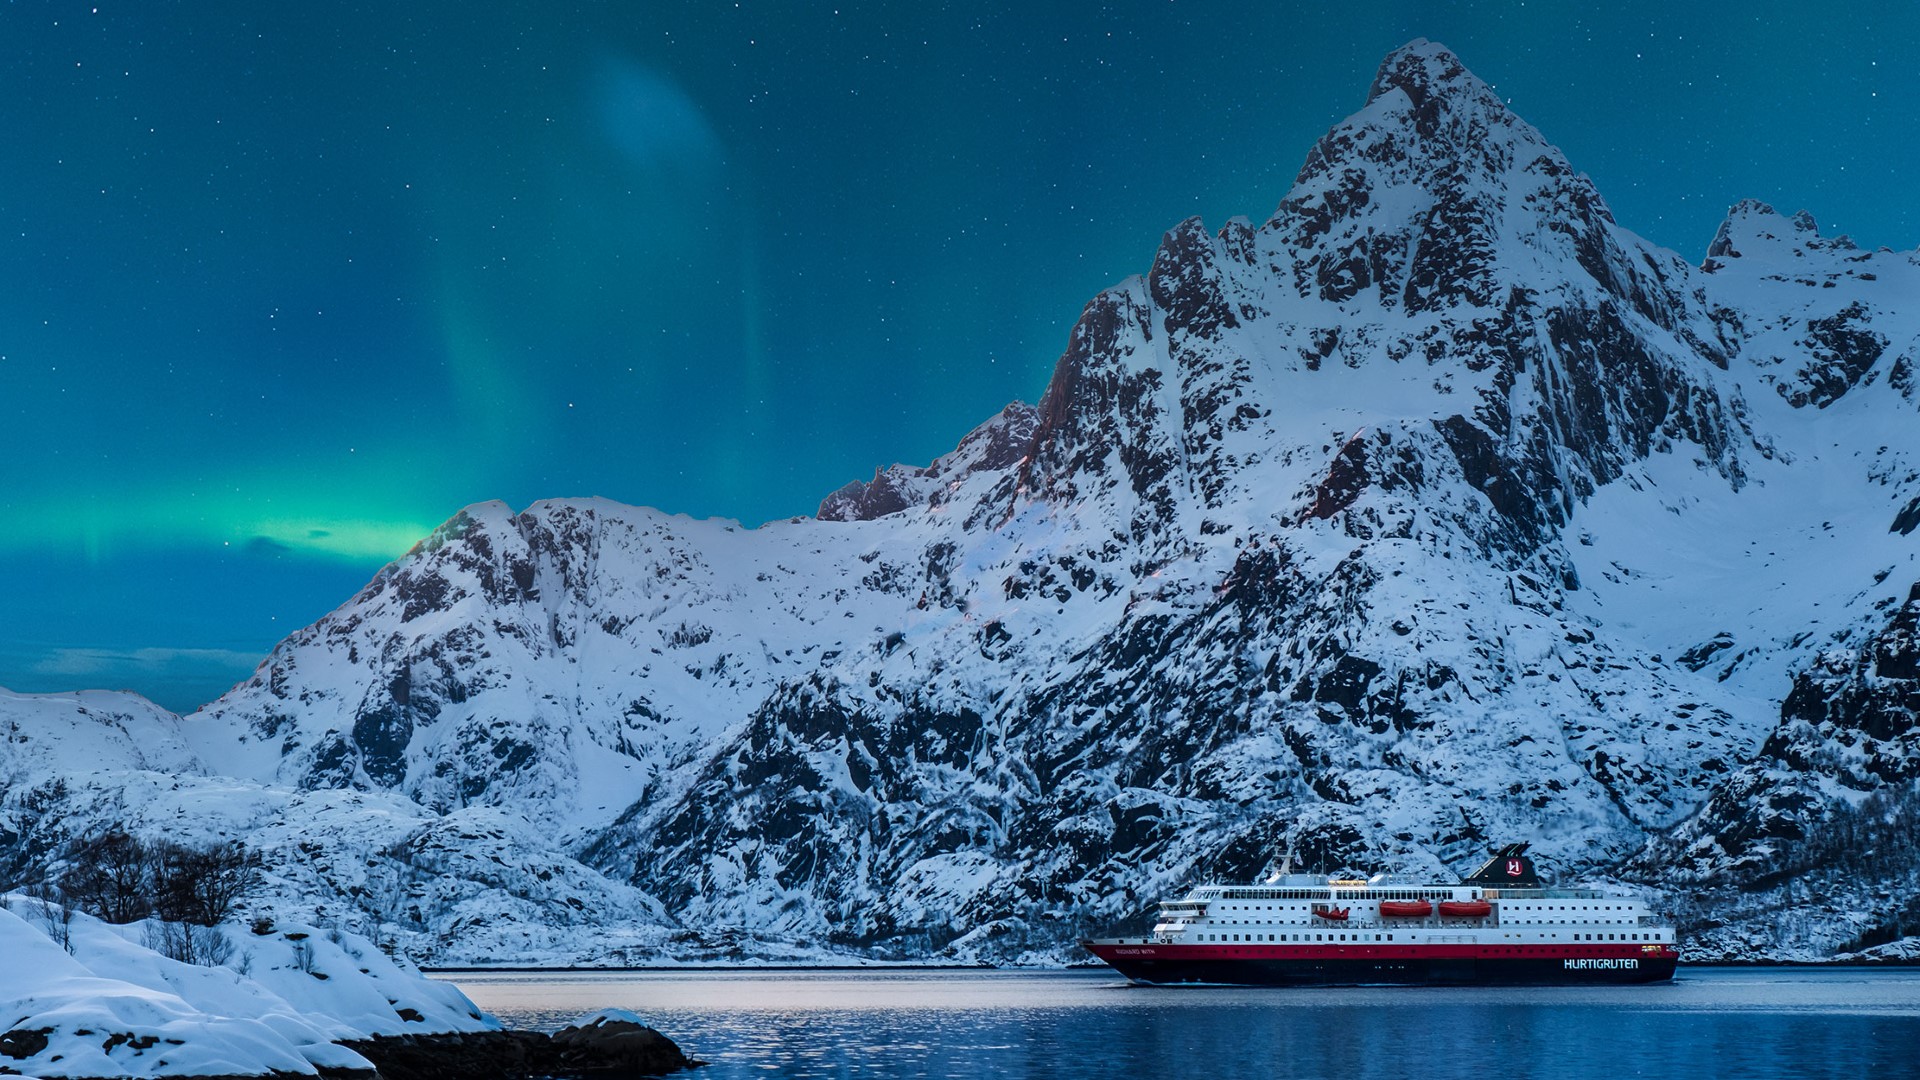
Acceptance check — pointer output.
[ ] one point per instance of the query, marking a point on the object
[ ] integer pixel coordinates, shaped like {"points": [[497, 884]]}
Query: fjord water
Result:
{"points": [[1709, 1022]]}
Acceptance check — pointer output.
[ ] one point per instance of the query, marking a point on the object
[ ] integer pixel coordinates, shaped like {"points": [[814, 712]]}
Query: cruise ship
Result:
{"points": [[1499, 925]]}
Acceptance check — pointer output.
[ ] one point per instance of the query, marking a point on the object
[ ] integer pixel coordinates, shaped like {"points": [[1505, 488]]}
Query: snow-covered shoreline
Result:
{"points": [[107, 1005], [81, 999]]}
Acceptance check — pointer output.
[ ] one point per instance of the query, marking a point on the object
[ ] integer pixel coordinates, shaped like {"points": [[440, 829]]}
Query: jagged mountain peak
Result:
{"points": [[1435, 262], [1426, 107], [1423, 70], [1753, 228], [1437, 194], [1426, 218]]}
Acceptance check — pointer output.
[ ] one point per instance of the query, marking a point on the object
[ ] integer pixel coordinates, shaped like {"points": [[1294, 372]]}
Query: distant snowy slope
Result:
{"points": [[48, 735]]}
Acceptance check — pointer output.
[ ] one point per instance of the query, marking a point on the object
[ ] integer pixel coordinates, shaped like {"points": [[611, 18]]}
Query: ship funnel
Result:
{"points": [[1510, 868]]}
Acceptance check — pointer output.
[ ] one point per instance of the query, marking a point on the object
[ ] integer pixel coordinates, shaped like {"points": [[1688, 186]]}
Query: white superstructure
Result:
{"points": [[1301, 908]]}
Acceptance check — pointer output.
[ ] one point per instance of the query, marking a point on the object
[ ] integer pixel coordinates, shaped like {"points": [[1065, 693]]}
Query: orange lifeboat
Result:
{"points": [[1405, 909], [1337, 914], [1466, 909]]}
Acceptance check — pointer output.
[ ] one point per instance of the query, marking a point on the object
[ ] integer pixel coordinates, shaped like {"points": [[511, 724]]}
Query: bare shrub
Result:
{"points": [[112, 878], [302, 953], [189, 943], [171, 940], [211, 946], [54, 916], [202, 886]]}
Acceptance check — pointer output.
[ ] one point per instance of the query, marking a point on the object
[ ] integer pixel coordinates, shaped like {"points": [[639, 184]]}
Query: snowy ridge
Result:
{"points": [[1435, 511], [46, 735]]}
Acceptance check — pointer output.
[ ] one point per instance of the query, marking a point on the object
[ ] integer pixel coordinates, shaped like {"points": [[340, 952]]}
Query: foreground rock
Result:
{"points": [[610, 1044]]}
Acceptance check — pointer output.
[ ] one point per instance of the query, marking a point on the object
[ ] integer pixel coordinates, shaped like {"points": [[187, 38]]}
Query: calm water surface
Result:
{"points": [[1769, 1022]]}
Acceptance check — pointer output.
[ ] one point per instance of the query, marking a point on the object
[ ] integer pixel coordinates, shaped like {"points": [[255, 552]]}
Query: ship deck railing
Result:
{"points": [[1502, 893], [1653, 922], [1205, 895]]}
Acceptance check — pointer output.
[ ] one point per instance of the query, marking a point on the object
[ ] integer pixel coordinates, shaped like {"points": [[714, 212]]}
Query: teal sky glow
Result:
{"points": [[288, 284]]}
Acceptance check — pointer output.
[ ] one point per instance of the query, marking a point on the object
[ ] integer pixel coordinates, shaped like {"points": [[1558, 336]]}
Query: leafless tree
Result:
{"points": [[202, 886], [188, 891], [112, 878]]}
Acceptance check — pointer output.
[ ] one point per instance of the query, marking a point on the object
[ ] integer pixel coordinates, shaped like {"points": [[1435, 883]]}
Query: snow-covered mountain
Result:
{"points": [[1437, 510]]}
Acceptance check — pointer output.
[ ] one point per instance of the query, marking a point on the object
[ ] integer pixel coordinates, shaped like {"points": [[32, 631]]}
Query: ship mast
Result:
{"points": [[1286, 864]]}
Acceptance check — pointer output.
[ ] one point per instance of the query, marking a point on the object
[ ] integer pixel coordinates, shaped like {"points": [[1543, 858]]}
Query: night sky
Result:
{"points": [[286, 285]]}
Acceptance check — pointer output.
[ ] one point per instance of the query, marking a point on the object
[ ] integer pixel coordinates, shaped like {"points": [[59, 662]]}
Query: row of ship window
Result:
{"points": [[1340, 894], [1293, 937], [1516, 907], [1389, 937], [1510, 921]]}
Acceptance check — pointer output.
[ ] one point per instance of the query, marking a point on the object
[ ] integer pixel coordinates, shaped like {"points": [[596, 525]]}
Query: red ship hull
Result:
{"points": [[1372, 965]]}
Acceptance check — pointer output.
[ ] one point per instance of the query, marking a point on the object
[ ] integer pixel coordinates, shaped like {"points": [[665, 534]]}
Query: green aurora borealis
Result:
{"points": [[287, 285]]}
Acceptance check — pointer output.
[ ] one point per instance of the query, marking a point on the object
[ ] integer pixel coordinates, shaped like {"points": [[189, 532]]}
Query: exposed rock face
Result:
{"points": [[1826, 811], [890, 491], [1437, 509], [992, 446]]}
